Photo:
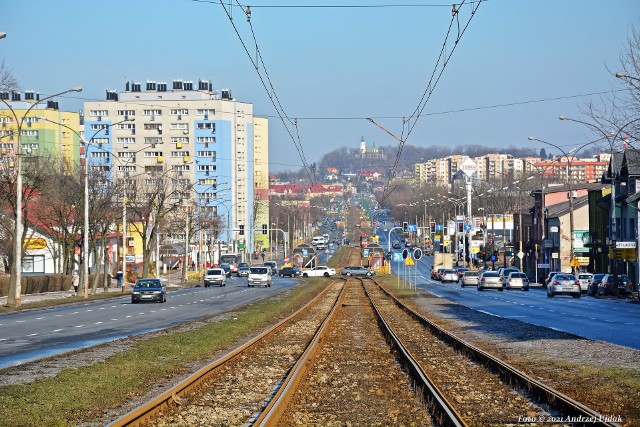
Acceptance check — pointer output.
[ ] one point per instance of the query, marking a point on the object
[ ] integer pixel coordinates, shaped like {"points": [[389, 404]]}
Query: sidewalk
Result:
{"points": [[170, 280]]}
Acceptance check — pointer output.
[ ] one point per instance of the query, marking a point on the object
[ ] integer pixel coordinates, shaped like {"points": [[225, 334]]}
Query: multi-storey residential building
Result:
{"points": [[570, 169], [44, 131], [203, 136], [261, 181]]}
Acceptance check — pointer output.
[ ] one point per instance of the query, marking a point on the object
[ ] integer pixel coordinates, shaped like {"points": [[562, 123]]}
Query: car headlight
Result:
{"points": [[157, 292], [136, 292]]}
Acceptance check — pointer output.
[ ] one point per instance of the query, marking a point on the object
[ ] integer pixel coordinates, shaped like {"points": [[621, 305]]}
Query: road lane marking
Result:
{"points": [[32, 335], [57, 330], [39, 318], [79, 326], [98, 323]]}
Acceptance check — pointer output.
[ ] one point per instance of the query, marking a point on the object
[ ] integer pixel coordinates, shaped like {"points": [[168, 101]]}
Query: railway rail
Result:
{"points": [[330, 364]]}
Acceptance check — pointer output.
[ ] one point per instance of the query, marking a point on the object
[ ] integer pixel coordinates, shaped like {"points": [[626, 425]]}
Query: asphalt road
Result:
{"points": [[31, 335], [611, 320]]}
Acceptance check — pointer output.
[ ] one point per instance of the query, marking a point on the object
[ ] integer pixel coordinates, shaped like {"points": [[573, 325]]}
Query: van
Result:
{"points": [[318, 242], [259, 276]]}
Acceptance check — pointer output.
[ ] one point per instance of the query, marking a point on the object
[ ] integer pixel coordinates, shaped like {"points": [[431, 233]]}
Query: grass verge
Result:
{"points": [[85, 393]]}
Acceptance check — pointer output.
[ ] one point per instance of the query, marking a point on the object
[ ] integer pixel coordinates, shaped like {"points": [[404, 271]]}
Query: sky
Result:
{"points": [[517, 67]]}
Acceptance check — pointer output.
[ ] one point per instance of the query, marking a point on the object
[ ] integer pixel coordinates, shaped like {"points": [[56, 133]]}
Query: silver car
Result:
{"points": [[490, 280], [215, 276], [470, 278], [517, 280], [357, 271], [585, 281], [449, 276], [564, 283]]}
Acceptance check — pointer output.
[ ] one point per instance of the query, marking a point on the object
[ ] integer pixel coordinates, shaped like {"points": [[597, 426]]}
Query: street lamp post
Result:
{"points": [[15, 289]]}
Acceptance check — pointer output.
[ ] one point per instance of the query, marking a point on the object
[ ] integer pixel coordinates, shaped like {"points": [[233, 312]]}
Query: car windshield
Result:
{"points": [[490, 274], [259, 270], [584, 276], [214, 272], [564, 277], [470, 273], [518, 275], [149, 284]]}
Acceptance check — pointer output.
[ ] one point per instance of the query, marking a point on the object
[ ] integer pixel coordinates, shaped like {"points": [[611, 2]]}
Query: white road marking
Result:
{"points": [[57, 330], [98, 323], [39, 318], [32, 335], [79, 326]]}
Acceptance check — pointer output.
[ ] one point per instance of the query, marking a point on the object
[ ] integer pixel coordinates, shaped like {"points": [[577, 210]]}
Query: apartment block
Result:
{"points": [[188, 130], [41, 127]]}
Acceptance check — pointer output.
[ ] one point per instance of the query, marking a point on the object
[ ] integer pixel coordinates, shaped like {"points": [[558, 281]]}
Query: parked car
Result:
{"points": [[259, 276], [517, 280], [215, 276], [243, 270], [605, 287], [504, 274], [564, 284], [470, 278], [585, 281], [319, 271], [595, 282], [290, 272], [357, 271], [272, 265], [490, 280], [435, 274], [148, 290], [449, 275], [548, 279], [227, 268]]}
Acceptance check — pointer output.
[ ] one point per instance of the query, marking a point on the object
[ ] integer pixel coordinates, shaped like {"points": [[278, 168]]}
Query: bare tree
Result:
{"points": [[7, 80]]}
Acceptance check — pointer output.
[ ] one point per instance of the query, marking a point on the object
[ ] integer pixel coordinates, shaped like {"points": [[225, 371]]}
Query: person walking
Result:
{"points": [[119, 277], [75, 281]]}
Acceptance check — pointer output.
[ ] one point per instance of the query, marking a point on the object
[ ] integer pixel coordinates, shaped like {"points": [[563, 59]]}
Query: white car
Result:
{"points": [[215, 276], [259, 276], [319, 271]]}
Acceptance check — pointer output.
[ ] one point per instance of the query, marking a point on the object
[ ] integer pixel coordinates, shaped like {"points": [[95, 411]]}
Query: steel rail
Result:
{"points": [[441, 409], [277, 405], [148, 411], [554, 398]]}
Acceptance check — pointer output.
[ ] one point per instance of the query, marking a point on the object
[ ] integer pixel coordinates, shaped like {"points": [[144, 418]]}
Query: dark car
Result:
{"points": [[396, 245], [272, 265], [227, 268], [605, 287], [148, 290], [592, 290], [290, 272]]}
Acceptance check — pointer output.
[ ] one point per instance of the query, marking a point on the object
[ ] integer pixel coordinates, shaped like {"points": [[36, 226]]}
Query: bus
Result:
{"points": [[232, 260]]}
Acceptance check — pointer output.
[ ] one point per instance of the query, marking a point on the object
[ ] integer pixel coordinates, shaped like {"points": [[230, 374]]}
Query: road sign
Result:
{"points": [[286, 259], [405, 254], [583, 260], [494, 258], [555, 255], [520, 254], [574, 262], [626, 245], [468, 227], [397, 257], [417, 253], [365, 253], [544, 265], [412, 228], [304, 252], [468, 167], [409, 262]]}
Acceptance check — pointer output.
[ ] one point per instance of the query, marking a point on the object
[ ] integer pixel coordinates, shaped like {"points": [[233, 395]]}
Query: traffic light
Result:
{"points": [[461, 227], [264, 228], [432, 226], [405, 227], [242, 230]]}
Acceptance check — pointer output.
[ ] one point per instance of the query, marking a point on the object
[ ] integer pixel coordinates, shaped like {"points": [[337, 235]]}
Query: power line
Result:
{"points": [[334, 6]]}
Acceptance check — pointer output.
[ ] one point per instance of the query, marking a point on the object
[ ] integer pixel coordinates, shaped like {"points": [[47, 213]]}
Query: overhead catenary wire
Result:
{"points": [[272, 96]]}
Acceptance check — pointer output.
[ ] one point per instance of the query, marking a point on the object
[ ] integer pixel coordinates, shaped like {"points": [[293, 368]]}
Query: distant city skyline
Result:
{"points": [[518, 66]]}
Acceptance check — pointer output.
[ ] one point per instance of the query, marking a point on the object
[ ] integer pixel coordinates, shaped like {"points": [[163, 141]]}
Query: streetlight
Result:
{"points": [[613, 232], [3, 35], [623, 75], [15, 288]]}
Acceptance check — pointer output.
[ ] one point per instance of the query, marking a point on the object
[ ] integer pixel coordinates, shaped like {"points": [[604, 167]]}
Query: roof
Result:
{"points": [[560, 209], [631, 163]]}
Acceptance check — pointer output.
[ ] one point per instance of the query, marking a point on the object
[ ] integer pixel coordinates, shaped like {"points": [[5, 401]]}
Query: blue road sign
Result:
{"points": [[397, 257], [468, 227], [439, 227], [304, 252], [412, 228], [494, 258]]}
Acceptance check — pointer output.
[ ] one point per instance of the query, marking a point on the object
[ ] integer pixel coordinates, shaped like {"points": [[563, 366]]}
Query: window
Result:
{"points": [[6, 146], [131, 168], [126, 126], [151, 126], [29, 133], [152, 112], [30, 147], [33, 264], [206, 168], [206, 139], [211, 154], [175, 126], [100, 141], [98, 113], [126, 112], [127, 140], [182, 168], [153, 153], [99, 127], [204, 112], [100, 154], [6, 119], [207, 195], [179, 153], [183, 139], [179, 112], [209, 126], [153, 140], [207, 181]]}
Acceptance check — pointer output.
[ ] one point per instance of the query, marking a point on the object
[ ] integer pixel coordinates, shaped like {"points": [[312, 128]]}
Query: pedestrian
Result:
{"points": [[263, 256], [75, 281], [119, 277]]}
